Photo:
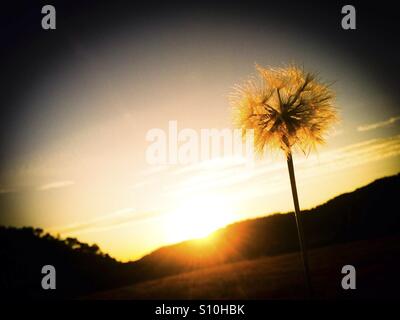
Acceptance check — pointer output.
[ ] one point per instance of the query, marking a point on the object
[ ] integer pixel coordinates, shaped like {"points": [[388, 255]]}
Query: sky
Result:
{"points": [[79, 101]]}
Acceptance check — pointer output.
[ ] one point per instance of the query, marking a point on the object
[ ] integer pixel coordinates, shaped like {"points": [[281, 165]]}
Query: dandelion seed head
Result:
{"points": [[287, 108]]}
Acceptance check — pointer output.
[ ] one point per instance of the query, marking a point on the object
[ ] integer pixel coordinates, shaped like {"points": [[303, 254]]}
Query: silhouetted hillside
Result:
{"points": [[80, 268], [368, 212]]}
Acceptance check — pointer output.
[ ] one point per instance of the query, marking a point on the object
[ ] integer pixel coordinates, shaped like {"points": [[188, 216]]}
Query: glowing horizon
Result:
{"points": [[228, 176]]}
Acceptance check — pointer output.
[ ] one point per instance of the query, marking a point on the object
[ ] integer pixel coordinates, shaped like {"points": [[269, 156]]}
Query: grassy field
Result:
{"points": [[377, 264]]}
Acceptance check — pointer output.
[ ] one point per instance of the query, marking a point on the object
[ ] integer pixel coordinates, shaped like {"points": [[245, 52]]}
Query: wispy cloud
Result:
{"points": [[55, 185], [266, 177], [7, 190], [380, 124], [240, 183], [103, 223]]}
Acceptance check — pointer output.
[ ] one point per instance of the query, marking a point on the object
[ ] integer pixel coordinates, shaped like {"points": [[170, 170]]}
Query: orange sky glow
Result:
{"points": [[84, 173]]}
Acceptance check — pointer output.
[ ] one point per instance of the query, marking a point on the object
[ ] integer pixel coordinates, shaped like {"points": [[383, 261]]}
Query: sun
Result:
{"points": [[196, 217]]}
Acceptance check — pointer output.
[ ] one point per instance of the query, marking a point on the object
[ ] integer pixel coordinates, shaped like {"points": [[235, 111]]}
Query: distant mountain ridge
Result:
{"points": [[368, 212]]}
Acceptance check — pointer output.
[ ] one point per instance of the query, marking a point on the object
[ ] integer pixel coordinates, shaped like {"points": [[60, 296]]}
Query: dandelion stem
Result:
{"points": [[300, 232]]}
